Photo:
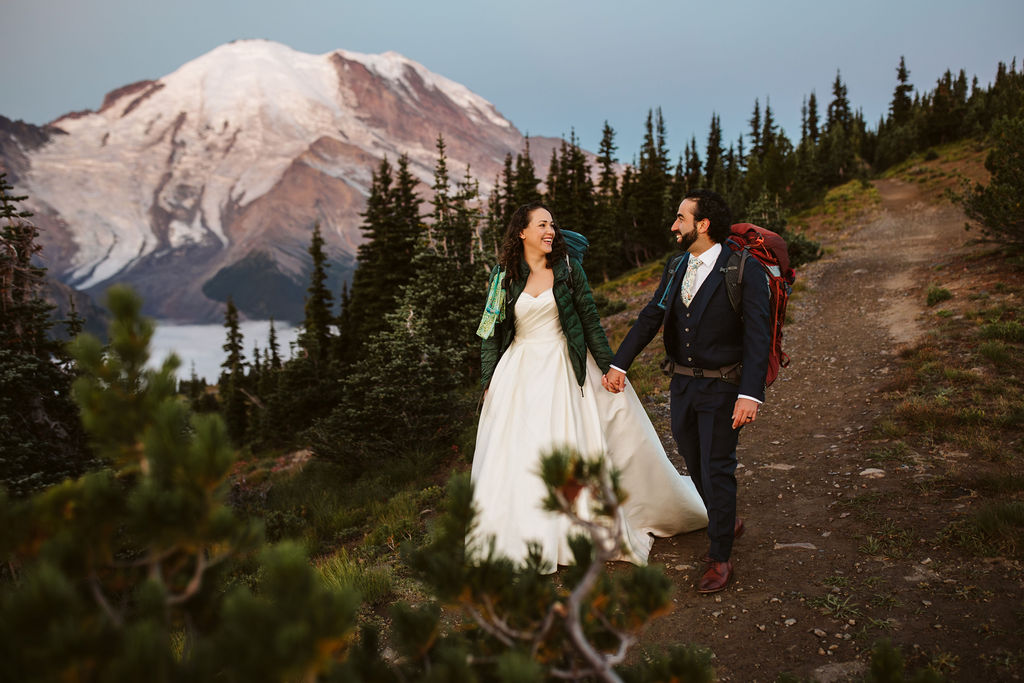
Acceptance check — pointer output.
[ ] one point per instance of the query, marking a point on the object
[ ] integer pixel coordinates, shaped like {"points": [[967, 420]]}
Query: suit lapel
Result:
{"points": [[714, 279], [675, 286]]}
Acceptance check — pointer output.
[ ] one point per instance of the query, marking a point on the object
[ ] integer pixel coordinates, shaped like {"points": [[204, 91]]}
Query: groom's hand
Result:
{"points": [[744, 412], [614, 380]]}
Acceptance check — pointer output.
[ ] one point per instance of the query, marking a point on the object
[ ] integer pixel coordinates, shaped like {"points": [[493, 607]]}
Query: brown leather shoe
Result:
{"points": [[715, 578]]}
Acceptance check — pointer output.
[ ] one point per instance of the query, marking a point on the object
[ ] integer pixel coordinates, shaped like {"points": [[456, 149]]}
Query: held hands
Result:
{"points": [[614, 381], [744, 413]]}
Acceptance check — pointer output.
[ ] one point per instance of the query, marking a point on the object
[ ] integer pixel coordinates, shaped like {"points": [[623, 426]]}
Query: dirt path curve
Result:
{"points": [[802, 462]]}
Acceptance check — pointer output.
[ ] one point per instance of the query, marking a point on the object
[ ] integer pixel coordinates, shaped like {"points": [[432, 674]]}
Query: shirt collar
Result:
{"points": [[709, 257]]}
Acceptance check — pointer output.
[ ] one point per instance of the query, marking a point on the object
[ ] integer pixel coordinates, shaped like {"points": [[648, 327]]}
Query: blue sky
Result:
{"points": [[547, 65]]}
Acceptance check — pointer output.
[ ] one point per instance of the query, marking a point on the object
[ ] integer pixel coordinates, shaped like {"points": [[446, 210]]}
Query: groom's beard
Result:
{"points": [[686, 239]]}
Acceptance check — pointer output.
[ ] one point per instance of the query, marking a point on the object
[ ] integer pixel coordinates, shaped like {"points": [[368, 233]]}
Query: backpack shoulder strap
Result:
{"points": [[672, 268], [734, 278]]}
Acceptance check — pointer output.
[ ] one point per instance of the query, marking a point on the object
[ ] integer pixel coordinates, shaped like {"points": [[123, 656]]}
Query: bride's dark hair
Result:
{"points": [[512, 246]]}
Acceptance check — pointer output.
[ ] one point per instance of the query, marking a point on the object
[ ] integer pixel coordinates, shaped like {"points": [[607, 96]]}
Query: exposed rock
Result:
{"points": [[240, 152]]}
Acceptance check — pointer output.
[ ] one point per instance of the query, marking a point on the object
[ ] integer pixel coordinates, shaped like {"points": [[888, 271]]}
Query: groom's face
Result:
{"points": [[683, 227]]}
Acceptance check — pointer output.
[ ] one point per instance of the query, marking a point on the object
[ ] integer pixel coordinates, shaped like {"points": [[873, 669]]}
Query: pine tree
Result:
{"points": [[839, 116], [997, 207], [770, 129], [392, 227], [272, 347], [648, 205], [430, 336], [694, 179], [526, 182], [812, 117], [42, 441], [755, 131], [714, 165], [902, 104], [315, 339], [121, 573], [232, 382]]}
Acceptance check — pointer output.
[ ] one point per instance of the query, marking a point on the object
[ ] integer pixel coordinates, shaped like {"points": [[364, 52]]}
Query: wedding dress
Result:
{"points": [[533, 405]]}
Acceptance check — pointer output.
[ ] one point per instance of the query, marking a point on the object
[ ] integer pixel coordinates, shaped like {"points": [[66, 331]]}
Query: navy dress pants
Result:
{"points": [[702, 426]]}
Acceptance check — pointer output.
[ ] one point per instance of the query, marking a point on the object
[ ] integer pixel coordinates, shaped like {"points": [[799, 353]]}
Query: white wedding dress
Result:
{"points": [[535, 404]]}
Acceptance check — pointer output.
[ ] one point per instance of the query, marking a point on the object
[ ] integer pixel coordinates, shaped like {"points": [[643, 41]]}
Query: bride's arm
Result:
{"points": [[586, 309]]}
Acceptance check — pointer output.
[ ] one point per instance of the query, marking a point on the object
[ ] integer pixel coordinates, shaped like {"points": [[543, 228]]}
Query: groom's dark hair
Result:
{"points": [[712, 206]]}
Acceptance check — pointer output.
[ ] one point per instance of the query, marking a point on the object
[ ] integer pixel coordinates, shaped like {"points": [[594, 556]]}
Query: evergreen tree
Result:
{"points": [[901, 107], [430, 336], [714, 166], [604, 256], [648, 205], [769, 131], [315, 339], [997, 207], [552, 182], [272, 347], [122, 571], [526, 182], [812, 117], [392, 227], [756, 131], [694, 179], [232, 381], [839, 116], [41, 441]]}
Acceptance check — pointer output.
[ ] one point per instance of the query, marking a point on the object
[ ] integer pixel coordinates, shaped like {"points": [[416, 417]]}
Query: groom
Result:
{"points": [[718, 361]]}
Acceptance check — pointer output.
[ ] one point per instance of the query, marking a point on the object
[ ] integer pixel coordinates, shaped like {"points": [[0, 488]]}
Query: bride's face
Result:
{"points": [[539, 235]]}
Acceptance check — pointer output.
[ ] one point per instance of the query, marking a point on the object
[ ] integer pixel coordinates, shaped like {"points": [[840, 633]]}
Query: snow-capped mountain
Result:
{"points": [[208, 181]]}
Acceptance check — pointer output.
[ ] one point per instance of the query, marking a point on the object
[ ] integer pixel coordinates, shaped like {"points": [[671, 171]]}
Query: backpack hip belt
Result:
{"points": [[729, 373]]}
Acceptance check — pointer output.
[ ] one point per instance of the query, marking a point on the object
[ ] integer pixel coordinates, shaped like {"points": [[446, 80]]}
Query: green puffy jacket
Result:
{"points": [[581, 323]]}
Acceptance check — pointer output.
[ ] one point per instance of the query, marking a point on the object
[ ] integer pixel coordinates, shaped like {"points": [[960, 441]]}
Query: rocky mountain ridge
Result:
{"points": [[207, 182]]}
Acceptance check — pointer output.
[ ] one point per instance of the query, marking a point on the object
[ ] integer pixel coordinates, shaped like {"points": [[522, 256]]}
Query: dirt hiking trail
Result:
{"points": [[807, 596]]}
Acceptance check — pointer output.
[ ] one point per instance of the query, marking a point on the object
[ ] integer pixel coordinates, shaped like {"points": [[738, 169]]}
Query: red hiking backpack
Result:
{"points": [[750, 241]]}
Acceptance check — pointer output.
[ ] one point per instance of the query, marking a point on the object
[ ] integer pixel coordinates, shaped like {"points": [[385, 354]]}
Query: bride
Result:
{"points": [[542, 359]]}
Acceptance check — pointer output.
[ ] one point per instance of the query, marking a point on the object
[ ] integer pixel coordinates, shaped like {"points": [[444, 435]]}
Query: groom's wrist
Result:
{"points": [[615, 367]]}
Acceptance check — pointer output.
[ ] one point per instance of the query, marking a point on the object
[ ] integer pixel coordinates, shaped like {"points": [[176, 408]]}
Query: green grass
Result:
{"points": [[835, 605], [897, 451], [996, 528], [937, 295], [1009, 330], [995, 351], [339, 571]]}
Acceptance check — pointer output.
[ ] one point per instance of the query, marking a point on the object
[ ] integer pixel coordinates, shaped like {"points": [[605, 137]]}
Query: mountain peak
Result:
{"points": [[233, 157]]}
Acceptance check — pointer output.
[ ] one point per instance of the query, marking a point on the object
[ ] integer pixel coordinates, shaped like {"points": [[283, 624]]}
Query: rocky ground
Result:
{"points": [[841, 544]]}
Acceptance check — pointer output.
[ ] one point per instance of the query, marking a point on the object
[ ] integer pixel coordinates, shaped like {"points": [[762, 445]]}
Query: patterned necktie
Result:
{"points": [[690, 280]]}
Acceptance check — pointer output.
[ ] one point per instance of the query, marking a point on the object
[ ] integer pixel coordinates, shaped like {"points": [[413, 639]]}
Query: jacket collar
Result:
{"points": [[559, 268], [714, 279]]}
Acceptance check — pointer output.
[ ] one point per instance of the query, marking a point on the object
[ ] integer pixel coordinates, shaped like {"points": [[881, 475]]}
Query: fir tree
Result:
{"points": [[315, 339], [392, 227], [430, 336], [714, 167], [648, 206], [839, 116], [756, 131], [232, 381], [122, 571], [694, 179], [902, 104], [526, 182], [997, 207], [812, 117], [42, 442], [272, 347]]}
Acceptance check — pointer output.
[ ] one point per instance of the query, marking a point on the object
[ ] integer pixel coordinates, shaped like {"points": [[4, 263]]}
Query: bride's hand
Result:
{"points": [[614, 381]]}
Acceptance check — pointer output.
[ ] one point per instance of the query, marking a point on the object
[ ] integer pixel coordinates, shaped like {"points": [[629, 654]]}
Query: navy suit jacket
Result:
{"points": [[708, 333]]}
